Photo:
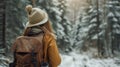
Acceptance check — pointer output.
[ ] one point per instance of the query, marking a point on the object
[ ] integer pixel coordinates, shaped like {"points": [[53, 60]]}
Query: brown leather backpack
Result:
{"points": [[28, 51]]}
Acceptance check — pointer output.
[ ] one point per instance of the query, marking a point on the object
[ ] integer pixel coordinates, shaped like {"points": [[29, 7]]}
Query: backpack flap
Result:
{"points": [[27, 44]]}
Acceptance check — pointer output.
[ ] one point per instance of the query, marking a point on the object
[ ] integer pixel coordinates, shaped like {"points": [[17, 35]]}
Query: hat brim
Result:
{"points": [[39, 23]]}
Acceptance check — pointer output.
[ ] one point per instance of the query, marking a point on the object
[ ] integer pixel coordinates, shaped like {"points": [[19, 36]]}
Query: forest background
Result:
{"points": [[82, 27]]}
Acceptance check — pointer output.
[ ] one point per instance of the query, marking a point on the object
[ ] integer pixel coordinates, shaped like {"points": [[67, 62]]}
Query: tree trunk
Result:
{"points": [[2, 25]]}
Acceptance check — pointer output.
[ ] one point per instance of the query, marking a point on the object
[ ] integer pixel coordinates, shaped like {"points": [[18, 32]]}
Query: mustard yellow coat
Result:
{"points": [[50, 49]]}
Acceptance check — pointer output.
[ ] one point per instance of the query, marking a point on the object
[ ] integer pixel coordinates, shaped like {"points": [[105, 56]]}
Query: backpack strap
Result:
{"points": [[33, 54], [34, 61]]}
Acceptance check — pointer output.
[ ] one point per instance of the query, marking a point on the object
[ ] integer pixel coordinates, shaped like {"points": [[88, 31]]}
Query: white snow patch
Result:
{"points": [[110, 14], [115, 19], [79, 60], [93, 20]]}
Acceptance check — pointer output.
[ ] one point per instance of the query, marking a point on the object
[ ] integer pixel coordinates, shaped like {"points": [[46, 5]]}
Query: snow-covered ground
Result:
{"points": [[78, 60]]}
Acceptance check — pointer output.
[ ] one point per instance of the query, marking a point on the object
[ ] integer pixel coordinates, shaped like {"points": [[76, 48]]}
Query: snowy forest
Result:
{"points": [[88, 31]]}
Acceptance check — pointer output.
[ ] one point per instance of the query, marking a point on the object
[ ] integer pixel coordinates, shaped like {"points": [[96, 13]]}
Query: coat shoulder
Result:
{"points": [[50, 36]]}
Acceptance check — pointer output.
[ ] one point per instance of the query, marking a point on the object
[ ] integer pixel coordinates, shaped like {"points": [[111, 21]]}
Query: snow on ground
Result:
{"points": [[78, 60], [4, 61]]}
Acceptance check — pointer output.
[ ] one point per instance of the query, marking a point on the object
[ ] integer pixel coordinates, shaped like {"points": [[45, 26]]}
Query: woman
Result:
{"points": [[38, 22]]}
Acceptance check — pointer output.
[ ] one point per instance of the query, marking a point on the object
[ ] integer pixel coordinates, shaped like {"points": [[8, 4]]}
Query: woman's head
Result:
{"points": [[36, 18]]}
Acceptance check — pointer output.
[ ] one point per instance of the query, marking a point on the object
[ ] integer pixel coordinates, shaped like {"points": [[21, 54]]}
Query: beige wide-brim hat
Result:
{"points": [[36, 16]]}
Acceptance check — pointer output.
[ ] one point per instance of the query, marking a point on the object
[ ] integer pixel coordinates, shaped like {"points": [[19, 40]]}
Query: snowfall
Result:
{"points": [[78, 60]]}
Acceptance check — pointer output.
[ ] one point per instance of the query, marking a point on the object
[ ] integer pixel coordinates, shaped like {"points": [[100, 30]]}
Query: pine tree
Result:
{"points": [[15, 19], [64, 41], [94, 28], [56, 10], [113, 25]]}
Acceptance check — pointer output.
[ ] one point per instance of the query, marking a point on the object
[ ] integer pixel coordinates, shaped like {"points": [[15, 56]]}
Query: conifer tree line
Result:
{"points": [[97, 27], [105, 33]]}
